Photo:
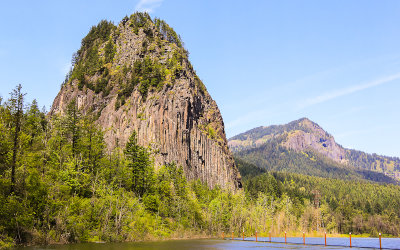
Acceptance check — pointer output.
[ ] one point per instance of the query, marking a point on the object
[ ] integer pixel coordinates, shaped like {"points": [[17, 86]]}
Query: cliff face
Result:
{"points": [[316, 139], [149, 86]]}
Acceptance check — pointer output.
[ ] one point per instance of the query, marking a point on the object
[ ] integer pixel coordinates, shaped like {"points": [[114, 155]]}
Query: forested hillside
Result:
{"points": [[272, 156], [58, 184], [303, 147], [317, 204]]}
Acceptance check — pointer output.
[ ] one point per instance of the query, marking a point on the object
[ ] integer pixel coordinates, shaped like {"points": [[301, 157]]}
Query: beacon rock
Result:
{"points": [[177, 118]]}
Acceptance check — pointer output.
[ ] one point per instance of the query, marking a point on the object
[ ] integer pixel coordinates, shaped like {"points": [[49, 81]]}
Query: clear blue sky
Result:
{"points": [[264, 62]]}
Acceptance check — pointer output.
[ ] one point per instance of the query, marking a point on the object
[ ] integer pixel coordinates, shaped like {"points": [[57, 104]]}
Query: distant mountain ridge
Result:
{"points": [[301, 144]]}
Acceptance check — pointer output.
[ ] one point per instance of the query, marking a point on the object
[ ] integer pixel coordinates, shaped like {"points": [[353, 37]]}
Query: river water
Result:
{"points": [[249, 243]]}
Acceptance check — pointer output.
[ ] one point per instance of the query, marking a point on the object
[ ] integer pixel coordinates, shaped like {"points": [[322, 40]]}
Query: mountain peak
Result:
{"points": [[305, 123], [303, 119], [299, 135], [304, 136], [137, 77]]}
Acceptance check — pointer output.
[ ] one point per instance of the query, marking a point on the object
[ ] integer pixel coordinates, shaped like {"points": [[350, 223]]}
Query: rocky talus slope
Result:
{"points": [[137, 77]]}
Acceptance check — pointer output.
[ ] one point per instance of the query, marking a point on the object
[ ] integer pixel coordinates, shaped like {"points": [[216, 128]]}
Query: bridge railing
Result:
{"points": [[324, 241]]}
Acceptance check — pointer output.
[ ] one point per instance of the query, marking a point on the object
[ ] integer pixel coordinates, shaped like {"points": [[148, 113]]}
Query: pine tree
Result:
{"points": [[4, 138], [16, 107], [139, 161], [92, 143], [73, 128]]}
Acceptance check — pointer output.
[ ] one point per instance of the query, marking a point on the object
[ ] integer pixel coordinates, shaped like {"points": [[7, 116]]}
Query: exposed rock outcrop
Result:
{"points": [[316, 139], [176, 117]]}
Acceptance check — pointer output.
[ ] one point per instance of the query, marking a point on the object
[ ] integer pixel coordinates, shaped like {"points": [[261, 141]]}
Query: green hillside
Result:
{"points": [[305, 148]]}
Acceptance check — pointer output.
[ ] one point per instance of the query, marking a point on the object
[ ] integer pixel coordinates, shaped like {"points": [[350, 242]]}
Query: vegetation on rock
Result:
{"points": [[143, 81], [95, 69]]}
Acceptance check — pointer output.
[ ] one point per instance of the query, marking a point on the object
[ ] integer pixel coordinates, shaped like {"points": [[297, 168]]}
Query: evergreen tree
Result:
{"points": [[139, 162], [4, 139], [16, 107], [92, 143], [73, 126]]}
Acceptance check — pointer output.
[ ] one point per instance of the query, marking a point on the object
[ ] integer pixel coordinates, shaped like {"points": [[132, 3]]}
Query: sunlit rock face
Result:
{"points": [[177, 119]]}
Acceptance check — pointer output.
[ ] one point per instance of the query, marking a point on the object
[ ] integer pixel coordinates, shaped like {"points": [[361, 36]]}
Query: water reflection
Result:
{"points": [[340, 243]]}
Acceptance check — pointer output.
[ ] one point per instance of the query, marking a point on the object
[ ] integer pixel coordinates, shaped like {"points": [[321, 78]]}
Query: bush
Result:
{"points": [[144, 88]]}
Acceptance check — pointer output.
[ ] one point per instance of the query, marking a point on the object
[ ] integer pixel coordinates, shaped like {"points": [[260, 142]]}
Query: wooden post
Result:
{"points": [[285, 237], [350, 239], [269, 236], [256, 236], [232, 235], [243, 233], [304, 238], [325, 238], [223, 236], [380, 241]]}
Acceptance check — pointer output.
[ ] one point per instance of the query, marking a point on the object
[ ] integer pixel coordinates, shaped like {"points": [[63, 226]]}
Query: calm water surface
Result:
{"points": [[339, 243]]}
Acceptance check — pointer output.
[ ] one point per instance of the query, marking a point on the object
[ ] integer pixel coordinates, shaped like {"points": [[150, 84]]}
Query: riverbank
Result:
{"points": [[185, 235], [189, 235], [249, 243]]}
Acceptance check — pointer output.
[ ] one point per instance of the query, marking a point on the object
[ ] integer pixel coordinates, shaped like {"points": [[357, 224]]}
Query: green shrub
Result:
{"points": [[144, 88]]}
